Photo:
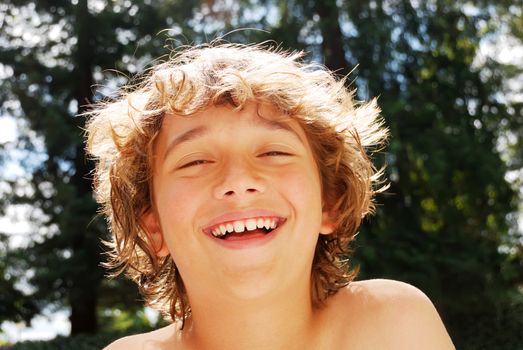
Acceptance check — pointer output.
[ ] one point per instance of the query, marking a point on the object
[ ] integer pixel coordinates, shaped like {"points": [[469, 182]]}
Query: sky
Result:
{"points": [[44, 327]]}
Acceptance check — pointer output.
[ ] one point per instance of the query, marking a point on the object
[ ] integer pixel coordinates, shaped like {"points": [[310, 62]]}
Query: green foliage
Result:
{"points": [[126, 320], [14, 305]]}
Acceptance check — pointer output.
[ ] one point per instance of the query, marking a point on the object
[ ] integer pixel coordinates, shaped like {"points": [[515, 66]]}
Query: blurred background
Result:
{"points": [[448, 74]]}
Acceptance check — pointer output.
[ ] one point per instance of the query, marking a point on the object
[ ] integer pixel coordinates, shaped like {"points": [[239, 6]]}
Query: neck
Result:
{"points": [[285, 322]]}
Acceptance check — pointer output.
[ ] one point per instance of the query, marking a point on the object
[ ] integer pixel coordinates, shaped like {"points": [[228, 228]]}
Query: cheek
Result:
{"points": [[176, 205], [303, 188]]}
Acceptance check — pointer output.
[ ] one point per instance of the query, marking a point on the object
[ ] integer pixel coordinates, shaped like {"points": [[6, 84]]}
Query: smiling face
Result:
{"points": [[237, 200]]}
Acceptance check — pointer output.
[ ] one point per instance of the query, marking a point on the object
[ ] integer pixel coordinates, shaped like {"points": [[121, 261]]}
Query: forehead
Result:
{"points": [[253, 116]]}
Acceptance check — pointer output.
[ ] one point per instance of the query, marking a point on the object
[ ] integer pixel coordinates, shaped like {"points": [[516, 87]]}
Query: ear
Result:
{"points": [[154, 234], [327, 224]]}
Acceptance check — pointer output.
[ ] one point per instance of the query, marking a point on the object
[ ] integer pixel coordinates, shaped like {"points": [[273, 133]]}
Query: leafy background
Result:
{"points": [[448, 224]]}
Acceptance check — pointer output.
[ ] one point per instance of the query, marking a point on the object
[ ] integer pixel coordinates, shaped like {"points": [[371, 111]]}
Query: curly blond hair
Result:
{"points": [[121, 135]]}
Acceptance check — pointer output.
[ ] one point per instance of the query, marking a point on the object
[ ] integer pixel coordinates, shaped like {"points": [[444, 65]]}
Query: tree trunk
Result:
{"points": [[83, 296], [83, 315], [332, 44]]}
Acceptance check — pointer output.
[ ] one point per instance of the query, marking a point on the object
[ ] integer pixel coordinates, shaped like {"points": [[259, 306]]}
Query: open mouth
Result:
{"points": [[241, 228]]}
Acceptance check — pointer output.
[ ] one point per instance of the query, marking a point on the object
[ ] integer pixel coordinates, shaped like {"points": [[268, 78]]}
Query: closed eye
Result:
{"points": [[195, 163], [275, 153]]}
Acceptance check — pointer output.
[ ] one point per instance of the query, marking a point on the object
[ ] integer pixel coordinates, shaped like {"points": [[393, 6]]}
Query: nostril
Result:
{"points": [[232, 192], [229, 188]]}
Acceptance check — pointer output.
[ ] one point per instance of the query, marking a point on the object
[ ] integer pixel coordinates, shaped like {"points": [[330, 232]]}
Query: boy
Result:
{"points": [[234, 178]]}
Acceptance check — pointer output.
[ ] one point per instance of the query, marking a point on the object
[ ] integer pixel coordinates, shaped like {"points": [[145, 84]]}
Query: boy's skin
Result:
{"points": [[222, 165]]}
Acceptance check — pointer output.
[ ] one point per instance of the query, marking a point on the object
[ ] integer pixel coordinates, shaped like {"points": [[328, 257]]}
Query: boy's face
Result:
{"points": [[223, 170]]}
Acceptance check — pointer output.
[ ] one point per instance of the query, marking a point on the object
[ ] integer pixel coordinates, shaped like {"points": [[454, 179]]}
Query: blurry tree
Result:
{"points": [[444, 224], [14, 305], [52, 54]]}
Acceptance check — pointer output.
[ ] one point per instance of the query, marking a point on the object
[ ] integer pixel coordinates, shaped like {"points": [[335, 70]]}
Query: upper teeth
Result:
{"points": [[244, 225]]}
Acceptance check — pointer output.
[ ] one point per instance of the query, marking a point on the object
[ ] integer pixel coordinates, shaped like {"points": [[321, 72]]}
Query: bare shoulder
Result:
{"points": [[384, 291], [162, 338], [392, 314]]}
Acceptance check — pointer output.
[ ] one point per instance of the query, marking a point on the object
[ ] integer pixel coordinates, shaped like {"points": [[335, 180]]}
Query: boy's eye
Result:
{"points": [[275, 153], [194, 163]]}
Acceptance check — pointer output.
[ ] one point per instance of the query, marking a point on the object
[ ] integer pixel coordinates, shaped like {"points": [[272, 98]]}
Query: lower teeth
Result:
{"points": [[228, 234]]}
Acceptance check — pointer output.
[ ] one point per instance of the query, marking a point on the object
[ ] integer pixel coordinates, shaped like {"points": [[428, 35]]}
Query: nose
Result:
{"points": [[239, 179]]}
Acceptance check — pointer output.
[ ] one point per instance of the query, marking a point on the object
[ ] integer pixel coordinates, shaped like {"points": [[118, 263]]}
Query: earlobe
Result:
{"points": [[327, 224], [154, 234]]}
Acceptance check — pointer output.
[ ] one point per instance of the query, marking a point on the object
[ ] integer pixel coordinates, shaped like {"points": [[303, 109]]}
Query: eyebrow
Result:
{"points": [[201, 130], [186, 137], [276, 125]]}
